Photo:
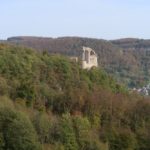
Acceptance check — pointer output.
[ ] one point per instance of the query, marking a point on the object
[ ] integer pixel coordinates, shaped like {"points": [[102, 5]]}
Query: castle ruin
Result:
{"points": [[89, 58]]}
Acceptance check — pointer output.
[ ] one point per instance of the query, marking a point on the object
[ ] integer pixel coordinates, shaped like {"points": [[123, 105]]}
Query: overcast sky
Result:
{"points": [[107, 19]]}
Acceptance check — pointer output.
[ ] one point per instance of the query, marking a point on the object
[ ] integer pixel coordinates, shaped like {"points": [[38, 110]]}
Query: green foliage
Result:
{"points": [[4, 88], [82, 127], [90, 145], [83, 134], [67, 134], [17, 132], [42, 125], [143, 138], [121, 140]]}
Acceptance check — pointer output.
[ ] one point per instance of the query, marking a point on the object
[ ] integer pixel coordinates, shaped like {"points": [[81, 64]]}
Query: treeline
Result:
{"points": [[47, 102]]}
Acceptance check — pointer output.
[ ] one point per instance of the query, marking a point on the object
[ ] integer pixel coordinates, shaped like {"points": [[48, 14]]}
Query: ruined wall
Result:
{"points": [[89, 58]]}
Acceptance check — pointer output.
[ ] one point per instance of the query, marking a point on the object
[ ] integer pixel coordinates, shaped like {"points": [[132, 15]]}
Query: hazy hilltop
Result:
{"points": [[126, 59]]}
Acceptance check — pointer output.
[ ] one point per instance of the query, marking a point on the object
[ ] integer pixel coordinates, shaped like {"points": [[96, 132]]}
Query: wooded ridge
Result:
{"points": [[126, 59]]}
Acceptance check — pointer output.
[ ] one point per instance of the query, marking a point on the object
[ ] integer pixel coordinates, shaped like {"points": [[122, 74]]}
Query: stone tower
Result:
{"points": [[89, 58]]}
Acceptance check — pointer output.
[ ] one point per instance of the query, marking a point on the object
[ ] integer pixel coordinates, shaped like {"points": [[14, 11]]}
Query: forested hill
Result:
{"points": [[47, 102], [132, 43], [126, 59]]}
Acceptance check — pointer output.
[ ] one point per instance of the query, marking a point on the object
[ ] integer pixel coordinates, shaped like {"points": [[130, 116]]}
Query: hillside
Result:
{"points": [[47, 102], [126, 59]]}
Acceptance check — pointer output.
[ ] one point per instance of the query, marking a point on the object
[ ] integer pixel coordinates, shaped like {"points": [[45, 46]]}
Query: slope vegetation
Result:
{"points": [[47, 102]]}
